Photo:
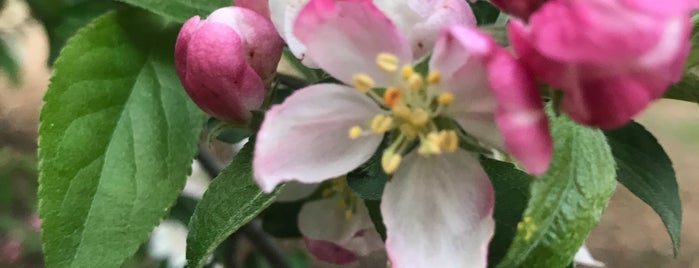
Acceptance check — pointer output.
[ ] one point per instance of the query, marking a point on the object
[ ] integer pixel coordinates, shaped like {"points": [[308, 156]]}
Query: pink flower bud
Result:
{"points": [[225, 61], [610, 57], [518, 8]]}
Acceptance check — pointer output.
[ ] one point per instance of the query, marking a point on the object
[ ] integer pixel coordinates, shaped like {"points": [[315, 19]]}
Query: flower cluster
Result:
{"points": [[609, 58]]}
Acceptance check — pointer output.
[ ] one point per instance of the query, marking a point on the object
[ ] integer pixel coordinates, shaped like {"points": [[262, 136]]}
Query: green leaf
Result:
{"points": [[117, 136], [485, 12], [646, 170], [62, 18], [567, 201], [280, 219], [374, 208], [511, 187], [233, 199], [179, 10], [369, 179], [687, 89]]}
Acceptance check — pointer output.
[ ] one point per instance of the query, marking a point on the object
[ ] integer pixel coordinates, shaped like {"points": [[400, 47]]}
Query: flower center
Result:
{"points": [[346, 199], [412, 104]]}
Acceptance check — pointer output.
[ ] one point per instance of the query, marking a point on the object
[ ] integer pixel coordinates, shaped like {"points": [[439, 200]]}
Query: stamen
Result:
{"points": [[348, 214], [401, 111], [390, 162], [433, 77], [415, 82], [449, 140], [419, 117], [391, 96], [445, 98], [387, 62], [408, 130], [355, 132], [381, 123], [407, 71], [431, 144], [363, 82], [341, 204]]}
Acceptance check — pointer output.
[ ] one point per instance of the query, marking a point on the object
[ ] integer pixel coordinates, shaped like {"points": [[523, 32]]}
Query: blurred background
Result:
{"points": [[630, 234]]}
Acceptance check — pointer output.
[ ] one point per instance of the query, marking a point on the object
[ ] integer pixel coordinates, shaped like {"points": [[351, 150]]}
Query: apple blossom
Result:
{"points": [[610, 57], [337, 228], [225, 61], [438, 206], [419, 20]]}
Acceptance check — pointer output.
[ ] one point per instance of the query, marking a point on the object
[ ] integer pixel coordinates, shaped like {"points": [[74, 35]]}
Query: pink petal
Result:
{"points": [[259, 6], [460, 56], [490, 86], [520, 116], [306, 138], [438, 212], [283, 13], [216, 76], [261, 43], [553, 72], [611, 32], [323, 222], [612, 101], [344, 38]]}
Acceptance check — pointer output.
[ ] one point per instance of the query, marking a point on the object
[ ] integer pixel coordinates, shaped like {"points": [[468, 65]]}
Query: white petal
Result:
{"points": [[306, 137], [197, 182], [438, 212], [584, 257], [168, 241]]}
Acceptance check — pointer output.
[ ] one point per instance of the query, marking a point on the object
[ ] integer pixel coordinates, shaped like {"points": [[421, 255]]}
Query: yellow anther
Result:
{"points": [[419, 117], [406, 71], [381, 123], [449, 140], [341, 204], [401, 111], [363, 82], [431, 145], [387, 62], [408, 130], [433, 77], [445, 98], [390, 162], [391, 96], [348, 214], [355, 132], [415, 82]]}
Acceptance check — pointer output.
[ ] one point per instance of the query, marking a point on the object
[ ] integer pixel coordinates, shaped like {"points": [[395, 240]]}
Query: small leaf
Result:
{"points": [[687, 89], [374, 208], [369, 179], [511, 187], [117, 136], [567, 201], [179, 10], [646, 170], [232, 200], [485, 12]]}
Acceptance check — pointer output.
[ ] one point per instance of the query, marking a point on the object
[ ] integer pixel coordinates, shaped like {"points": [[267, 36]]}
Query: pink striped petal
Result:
{"points": [[306, 138], [344, 38], [496, 100], [438, 212]]}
